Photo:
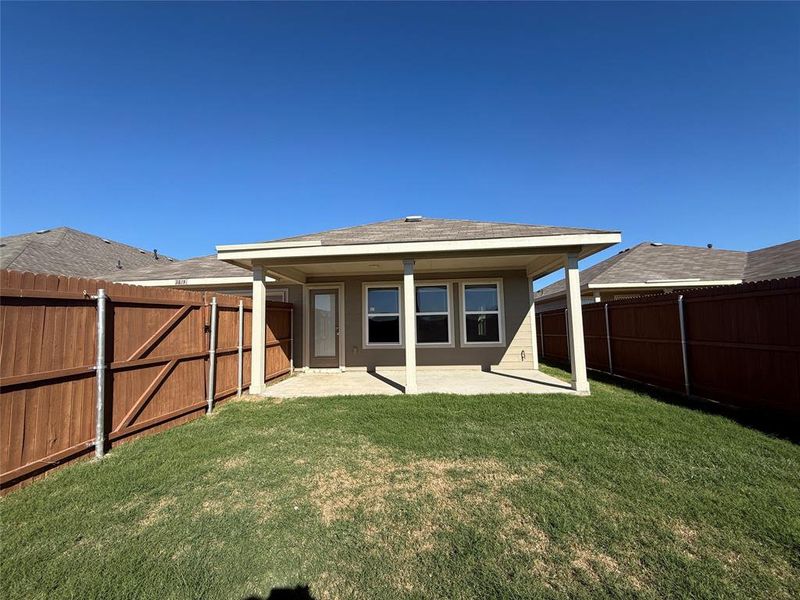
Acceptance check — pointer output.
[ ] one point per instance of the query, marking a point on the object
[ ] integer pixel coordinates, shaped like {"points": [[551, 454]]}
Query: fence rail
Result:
{"points": [[736, 344], [156, 367]]}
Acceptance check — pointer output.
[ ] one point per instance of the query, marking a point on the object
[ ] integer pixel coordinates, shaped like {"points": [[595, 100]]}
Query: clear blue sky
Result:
{"points": [[181, 126]]}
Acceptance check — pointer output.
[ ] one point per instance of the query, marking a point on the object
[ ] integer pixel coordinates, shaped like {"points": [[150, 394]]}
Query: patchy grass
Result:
{"points": [[432, 496]]}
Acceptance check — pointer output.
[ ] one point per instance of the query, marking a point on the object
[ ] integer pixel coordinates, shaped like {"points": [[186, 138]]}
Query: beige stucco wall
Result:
{"points": [[516, 321]]}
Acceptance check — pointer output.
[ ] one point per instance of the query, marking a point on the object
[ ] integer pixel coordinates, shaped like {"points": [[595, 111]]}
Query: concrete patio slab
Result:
{"points": [[391, 381]]}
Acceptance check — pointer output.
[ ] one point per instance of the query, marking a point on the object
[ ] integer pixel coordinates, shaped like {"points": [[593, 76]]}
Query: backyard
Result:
{"points": [[433, 496]]}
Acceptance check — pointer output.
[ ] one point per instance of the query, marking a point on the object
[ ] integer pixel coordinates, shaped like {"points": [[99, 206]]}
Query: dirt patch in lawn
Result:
{"points": [[375, 480], [158, 512]]}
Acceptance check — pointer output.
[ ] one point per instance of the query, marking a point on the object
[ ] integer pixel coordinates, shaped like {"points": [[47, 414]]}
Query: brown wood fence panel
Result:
{"points": [[157, 356], [279, 338], [554, 343], [743, 342], [594, 331], [646, 340], [744, 347]]}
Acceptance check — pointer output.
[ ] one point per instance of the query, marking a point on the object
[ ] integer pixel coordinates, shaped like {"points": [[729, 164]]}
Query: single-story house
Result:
{"points": [[416, 291], [653, 268], [67, 251]]}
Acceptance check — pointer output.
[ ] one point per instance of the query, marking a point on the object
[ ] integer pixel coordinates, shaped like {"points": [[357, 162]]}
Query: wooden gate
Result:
{"points": [[157, 362]]}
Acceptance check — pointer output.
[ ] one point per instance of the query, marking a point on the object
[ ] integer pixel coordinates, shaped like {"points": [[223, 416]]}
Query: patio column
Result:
{"points": [[580, 381], [410, 326], [532, 317], [258, 337]]}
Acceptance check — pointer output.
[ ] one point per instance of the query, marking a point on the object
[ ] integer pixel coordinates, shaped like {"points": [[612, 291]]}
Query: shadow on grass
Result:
{"points": [[772, 423], [301, 592]]}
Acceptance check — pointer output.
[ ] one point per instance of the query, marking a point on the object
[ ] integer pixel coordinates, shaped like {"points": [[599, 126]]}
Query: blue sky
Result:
{"points": [[181, 126]]}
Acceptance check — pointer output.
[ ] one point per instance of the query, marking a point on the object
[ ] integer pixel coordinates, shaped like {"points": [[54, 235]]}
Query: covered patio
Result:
{"points": [[390, 381], [437, 294]]}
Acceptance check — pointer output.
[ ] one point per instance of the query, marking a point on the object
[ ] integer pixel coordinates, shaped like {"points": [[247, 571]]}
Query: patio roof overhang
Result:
{"points": [[297, 261]]}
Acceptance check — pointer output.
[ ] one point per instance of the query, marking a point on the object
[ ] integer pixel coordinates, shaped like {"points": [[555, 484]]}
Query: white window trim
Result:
{"points": [[365, 287], [501, 325], [284, 292], [447, 284]]}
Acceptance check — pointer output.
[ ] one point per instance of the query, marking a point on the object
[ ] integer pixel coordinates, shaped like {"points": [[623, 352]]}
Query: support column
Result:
{"points": [[532, 317], [258, 337], [410, 326], [580, 381]]}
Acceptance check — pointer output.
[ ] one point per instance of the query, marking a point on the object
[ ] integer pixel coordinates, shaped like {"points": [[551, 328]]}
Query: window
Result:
{"points": [[277, 295], [482, 310], [383, 315], [433, 314]]}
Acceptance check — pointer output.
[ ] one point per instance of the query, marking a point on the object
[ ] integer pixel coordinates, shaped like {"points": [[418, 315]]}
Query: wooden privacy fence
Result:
{"points": [[166, 357], [737, 344]]}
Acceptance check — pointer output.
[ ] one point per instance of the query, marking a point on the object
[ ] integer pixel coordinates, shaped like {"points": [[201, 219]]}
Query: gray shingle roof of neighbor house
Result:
{"points": [[429, 230], [773, 262], [651, 262], [66, 251], [201, 267]]}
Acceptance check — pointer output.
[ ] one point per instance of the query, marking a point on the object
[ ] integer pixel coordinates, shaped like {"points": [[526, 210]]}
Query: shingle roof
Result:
{"points": [[200, 267], [773, 262], [66, 251], [430, 230], [651, 262]]}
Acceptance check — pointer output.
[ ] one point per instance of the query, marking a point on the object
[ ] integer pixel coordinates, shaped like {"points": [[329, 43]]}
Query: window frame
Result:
{"points": [[365, 287], [284, 292], [447, 284], [500, 312]]}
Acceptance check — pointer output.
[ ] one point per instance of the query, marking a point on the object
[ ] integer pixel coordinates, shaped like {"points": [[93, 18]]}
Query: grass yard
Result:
{"points": [[614, 495]]}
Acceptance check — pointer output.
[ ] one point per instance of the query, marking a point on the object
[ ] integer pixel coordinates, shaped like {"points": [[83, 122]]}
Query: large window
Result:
{"points": [[482, 310], [383, 315], [433, 314]]}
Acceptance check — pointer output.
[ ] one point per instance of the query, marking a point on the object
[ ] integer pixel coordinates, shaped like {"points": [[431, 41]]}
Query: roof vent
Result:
{"points": [[106, 241], [413, 218], [41, 231], [656, 244], [142, 251], [155, 254], [710, 245]]}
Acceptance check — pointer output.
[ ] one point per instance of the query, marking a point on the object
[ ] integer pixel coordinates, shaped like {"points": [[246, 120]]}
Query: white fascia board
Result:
{"points": [[664, 283], [266, 245], [260, 252], [195, 281]]}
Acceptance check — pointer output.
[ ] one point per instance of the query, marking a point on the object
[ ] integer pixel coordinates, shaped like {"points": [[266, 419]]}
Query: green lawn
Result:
{"points": [[615, 495]]}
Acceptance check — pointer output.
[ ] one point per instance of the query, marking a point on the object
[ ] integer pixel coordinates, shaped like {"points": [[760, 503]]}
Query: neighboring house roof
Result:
{"points": [[66, 251], [202, 267], [773, 262], [410, 229], [651, 262]]}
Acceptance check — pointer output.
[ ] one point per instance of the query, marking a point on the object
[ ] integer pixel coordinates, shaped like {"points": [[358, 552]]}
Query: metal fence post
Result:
{"points": [[240, 375], [608, 343], [100, 376], [682, 320], [212, 354]]}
